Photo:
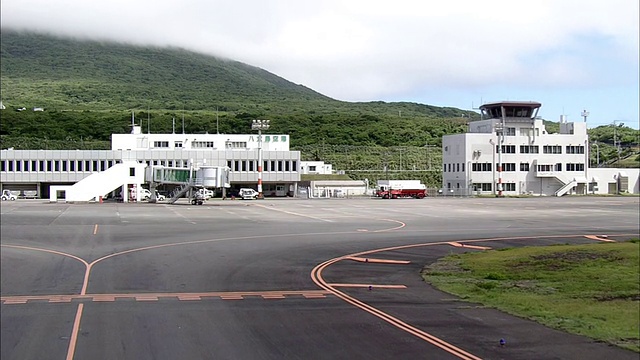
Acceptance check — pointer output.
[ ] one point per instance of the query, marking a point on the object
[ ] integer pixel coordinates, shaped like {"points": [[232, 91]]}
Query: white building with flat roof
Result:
{"points": [[510, 152], [39, 169]]}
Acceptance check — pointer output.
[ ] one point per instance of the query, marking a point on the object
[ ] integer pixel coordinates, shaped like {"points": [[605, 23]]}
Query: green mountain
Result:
{"points": [[89, 89]]}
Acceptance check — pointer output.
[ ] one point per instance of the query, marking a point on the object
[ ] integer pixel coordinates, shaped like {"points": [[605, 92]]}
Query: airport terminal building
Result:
{"points": [[510, 152], [35, 171]]}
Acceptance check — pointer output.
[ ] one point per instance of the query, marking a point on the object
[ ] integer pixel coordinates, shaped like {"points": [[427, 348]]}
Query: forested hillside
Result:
{"points": [[88, 90]]}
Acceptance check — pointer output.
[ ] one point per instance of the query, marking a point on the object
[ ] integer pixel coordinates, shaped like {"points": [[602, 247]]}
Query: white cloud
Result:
{"points": [[369, 50]]}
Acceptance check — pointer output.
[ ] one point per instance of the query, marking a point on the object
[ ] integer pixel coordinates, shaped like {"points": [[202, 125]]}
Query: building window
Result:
{"points": [[18, 165], [3, 165], [458, 167], [510, 131], [312, 168], [34, 165], [509, 186], [529, 149], [229, 165], [481, 167], [574, 167], [72, 165], [506, 149], [25, 166], [160, 144], [294, 166], [449, 167], [237, 144], [575, 149], [462, 167], [273, 165], [64, 165], [236, 165], [482, 186], [552, 149], [558, 167], [544, 168], [201, 144], [279, 165], [177, 144], [79, 165], [444, 167], [524, 166], [132, 171], [508, 166]]}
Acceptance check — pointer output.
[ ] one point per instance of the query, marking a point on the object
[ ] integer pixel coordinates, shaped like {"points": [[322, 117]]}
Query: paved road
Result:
{"points": [[273, 279]]}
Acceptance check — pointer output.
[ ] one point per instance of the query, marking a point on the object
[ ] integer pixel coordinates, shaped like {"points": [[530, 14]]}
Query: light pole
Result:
{"points": [[260, 125]]}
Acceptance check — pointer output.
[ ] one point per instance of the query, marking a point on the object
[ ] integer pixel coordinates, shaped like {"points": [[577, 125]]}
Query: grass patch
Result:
{"points": [[591, 290]]}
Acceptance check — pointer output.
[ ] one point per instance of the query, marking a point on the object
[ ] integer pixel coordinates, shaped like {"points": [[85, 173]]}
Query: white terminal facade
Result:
{"points": [[38, 170], [510, 152]]}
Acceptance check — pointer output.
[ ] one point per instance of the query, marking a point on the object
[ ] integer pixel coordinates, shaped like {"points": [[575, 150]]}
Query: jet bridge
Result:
{"points": [[212, 177]]}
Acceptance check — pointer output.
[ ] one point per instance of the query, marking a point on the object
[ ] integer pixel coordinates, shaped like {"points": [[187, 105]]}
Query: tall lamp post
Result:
{"points": [[260, 125]]}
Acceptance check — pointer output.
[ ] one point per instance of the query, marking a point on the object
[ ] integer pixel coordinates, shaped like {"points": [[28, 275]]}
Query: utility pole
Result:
{"points": [[260, 125]]}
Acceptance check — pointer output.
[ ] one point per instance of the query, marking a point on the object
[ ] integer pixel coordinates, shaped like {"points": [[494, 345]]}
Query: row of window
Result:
{"points": [[102, 165], [56, 165], [535, 149], [480, 167], [267, 165]]}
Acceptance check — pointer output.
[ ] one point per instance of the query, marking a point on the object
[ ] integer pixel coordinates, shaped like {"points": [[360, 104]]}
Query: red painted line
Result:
{"points": [[457, 244], [273, 296], [146, 298], [311, 296], [231, 297], [101, 298], [597, 238], [60, 299], [74, 333], [189, 298], [14, 301], [378, 261]]}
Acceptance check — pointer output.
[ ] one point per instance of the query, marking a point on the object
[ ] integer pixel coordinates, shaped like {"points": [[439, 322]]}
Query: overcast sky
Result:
{"points": [[570, 55]]}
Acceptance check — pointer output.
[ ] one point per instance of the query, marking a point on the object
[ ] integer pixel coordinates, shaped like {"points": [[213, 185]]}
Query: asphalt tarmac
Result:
{"points": [[278, 278]]}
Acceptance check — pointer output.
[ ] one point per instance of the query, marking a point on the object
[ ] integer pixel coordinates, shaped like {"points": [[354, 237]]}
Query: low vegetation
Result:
{"points": [[591, 290]]}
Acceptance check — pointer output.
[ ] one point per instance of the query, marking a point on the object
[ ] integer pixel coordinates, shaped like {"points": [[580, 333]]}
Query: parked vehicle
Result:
{"points": [[208, 194], [198, 198], [30, 194], [248, 194], [401, 189], [7, 195], [160, 197]]}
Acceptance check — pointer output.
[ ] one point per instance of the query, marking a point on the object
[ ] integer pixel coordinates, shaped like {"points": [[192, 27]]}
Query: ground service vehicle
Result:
{"points": [[7, 195], [248, 194], [160, 197], [401, 189], [198, 198]]}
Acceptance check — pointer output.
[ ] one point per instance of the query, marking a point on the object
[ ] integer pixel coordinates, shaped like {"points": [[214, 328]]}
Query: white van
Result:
{"points": [[248, 194]]}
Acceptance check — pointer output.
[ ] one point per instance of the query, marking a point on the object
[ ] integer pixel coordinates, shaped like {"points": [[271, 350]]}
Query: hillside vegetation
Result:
{"points": [[90, 89]]}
